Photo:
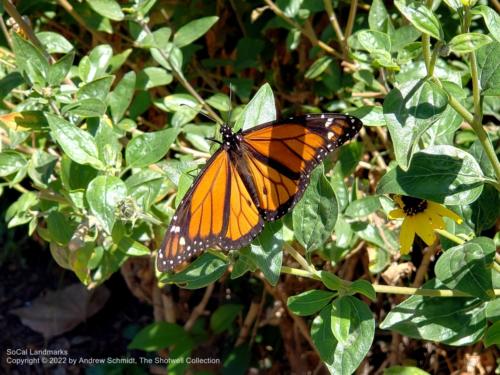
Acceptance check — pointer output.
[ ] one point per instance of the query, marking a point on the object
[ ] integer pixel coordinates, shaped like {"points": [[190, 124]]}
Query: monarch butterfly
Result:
{"points": [[256, 175]]}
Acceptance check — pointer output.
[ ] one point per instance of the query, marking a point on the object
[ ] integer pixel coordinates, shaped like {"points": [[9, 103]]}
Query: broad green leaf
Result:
{"points": [[85, 108], [331, 281], [454, 321], [237, 361], [103, 195], [349, 156], [40, 167], [370, 115], [489, 69], [148, 148], [157, 39], [421, 17], [54, 43], [60, 69], [157, 336], [466, 267], [152, 77], [133, 248], [10, 162], [95, 64], [318, 67], [341, 319], [363, 287], [121, 97], [170, 57], [315, 215], [404, 370], [118, 60], [344, 357], [223, 317], [30, 60], [9, 82], [409, 111], [107, 8], [492, 336], [491, 19], [75, 142], [175, 102], [259, 110], [378, 17], [464, 43], [266, 251], [363, 207], [220, 101], [309, 302], [97, 89], [193, 30], [205, 270], [442, 174], [59, 227], [108, 146], [374, 40]]}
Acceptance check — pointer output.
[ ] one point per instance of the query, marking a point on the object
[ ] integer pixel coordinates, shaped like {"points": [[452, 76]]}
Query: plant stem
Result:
{"points": [[391, 289], [351, 18], [14, 13], [300, 259], [183, 81], [449, 236], [335, 25], [307, 31]]}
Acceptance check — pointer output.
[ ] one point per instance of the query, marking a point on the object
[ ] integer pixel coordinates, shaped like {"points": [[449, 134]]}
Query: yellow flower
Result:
{"points": [[421, 217]]}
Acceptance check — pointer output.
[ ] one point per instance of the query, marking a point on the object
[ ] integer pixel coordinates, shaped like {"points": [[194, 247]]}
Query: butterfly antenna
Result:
{"points": [[200, 111], [230, 102]]}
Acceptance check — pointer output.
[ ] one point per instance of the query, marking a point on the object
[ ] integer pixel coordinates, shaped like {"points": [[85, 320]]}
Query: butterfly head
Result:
{"points": [[230, 140]]}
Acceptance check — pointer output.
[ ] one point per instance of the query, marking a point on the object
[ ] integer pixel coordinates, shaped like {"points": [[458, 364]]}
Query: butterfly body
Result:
{"points": [[257, 175]]}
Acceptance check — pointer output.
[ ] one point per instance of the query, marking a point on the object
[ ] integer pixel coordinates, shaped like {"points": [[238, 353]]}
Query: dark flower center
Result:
{"points": [[413, 206]]}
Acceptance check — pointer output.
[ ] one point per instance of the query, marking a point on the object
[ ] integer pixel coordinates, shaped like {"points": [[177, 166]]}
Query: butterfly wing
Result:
{"points": [[216, 211], [279, 156]]}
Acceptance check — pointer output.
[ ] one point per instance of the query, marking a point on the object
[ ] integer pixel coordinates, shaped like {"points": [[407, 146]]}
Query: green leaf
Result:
{"points": [[266, 251], [464, 43], [60, 229], [363, 287], [332, 281], [54, 43], [315, 215], [9, 82], [491, 19], [309, 302], [404, 370], [223, 317], [170, 58], [349, 156], [152, 77], [104, 194], [237, 361], [157, 336], [370, 115], [374, 40], [409, 111], [205, 270], [341, 319], [30, 60], [148, 148], [95, 64], [363, 207], [219, 101], [121, 97], [492, 336], [75, 142], [157, 39], [421, 17], [466, 267], [107, 8], [10, 162], [193, 30], [489, 69], [133, 248], [60, 69], [454, 321], [378, 17], [85, 108], [318, 67], [259, 110], [97, 89], [344, 357], [442, 174]]}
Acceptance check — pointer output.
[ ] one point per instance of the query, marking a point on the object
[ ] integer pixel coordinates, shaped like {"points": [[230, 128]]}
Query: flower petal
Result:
{"points": [[437, 221], [397, 214], [407, 235], [443, 211], [423, 227]]}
